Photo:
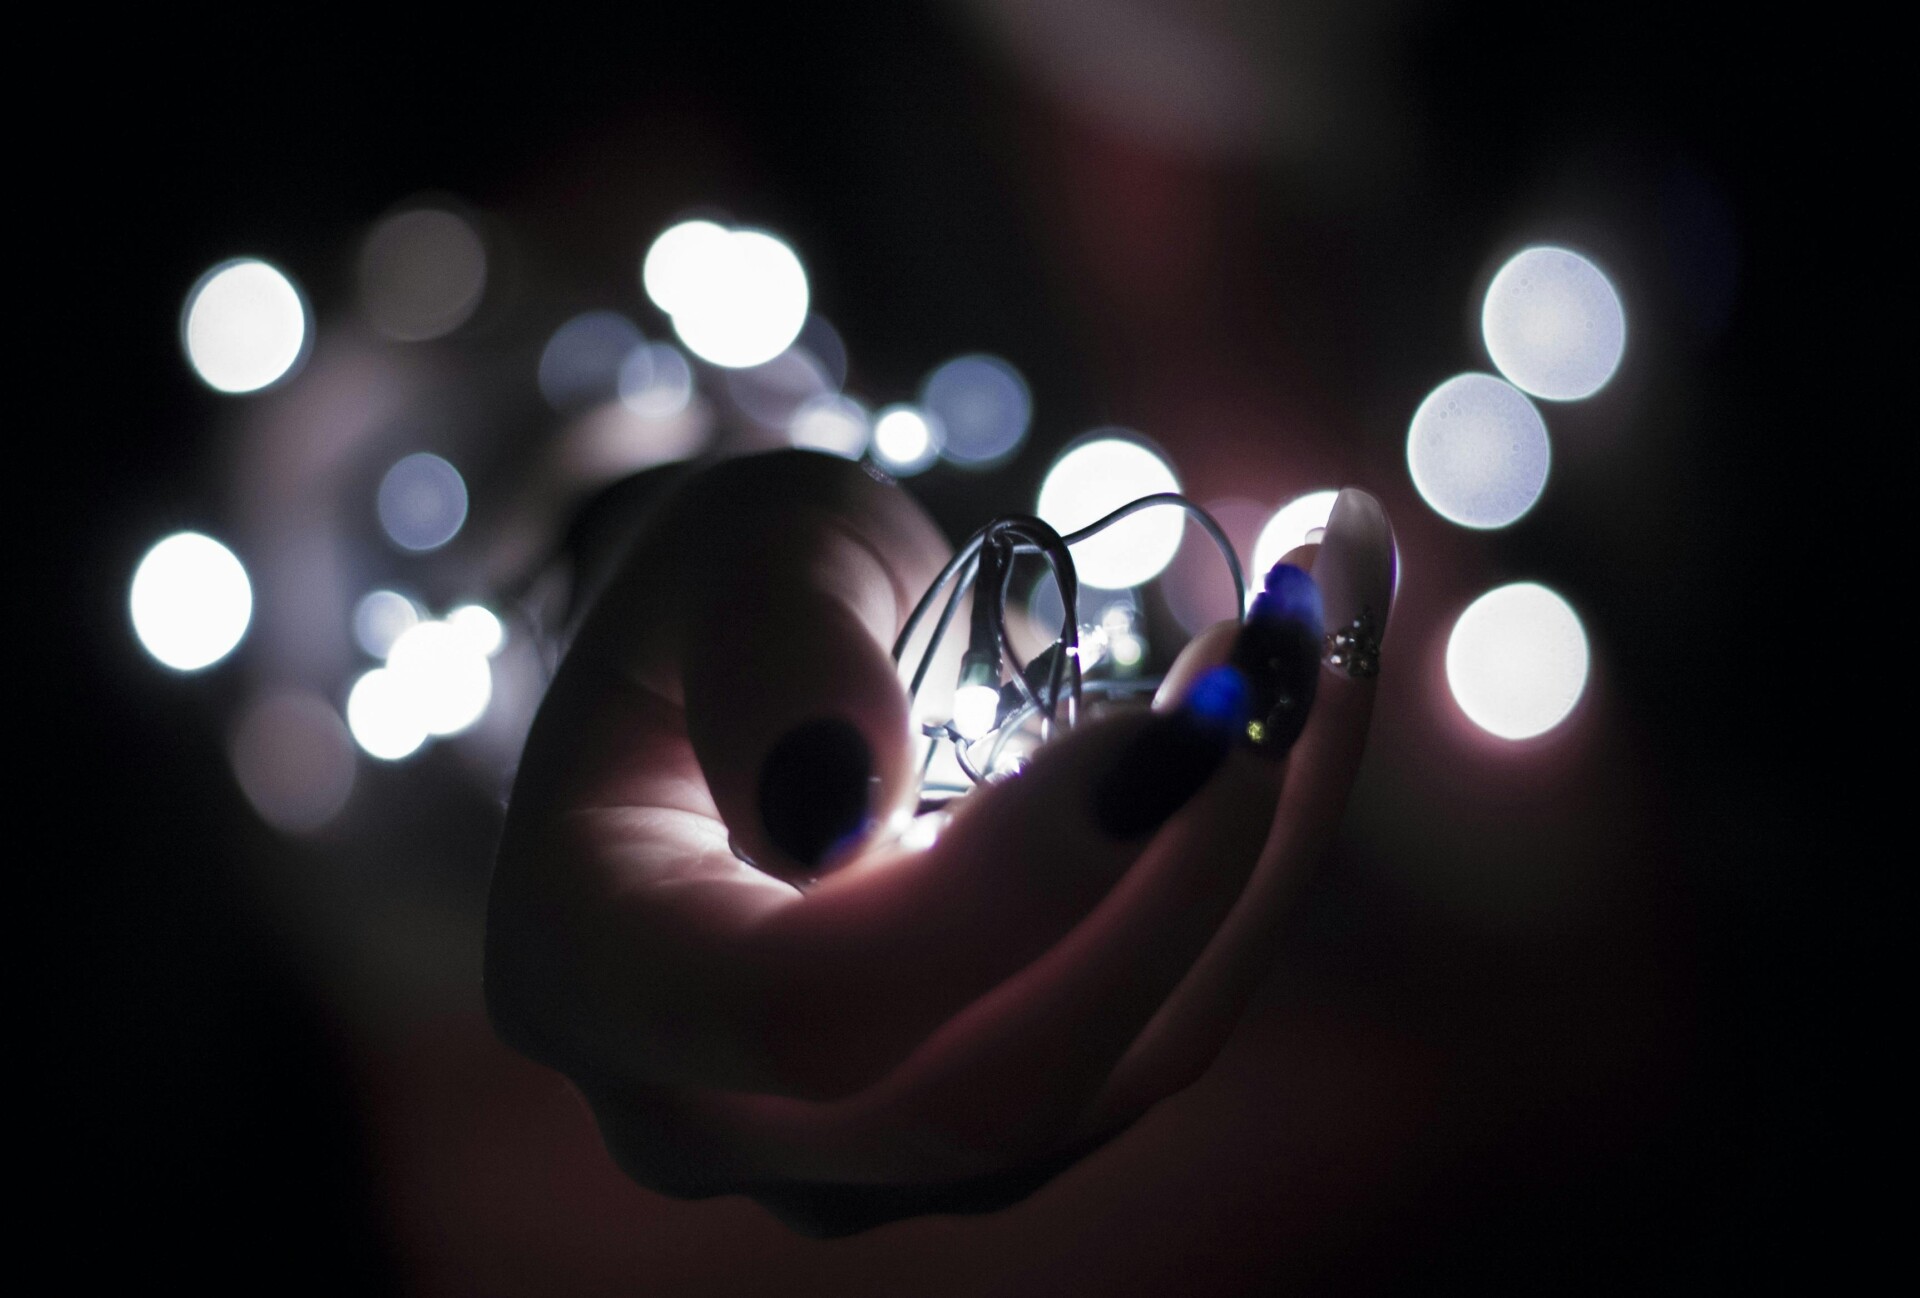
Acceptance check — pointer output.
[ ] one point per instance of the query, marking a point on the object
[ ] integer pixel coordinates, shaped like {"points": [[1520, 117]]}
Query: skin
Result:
{"points": [[919, 1030]]}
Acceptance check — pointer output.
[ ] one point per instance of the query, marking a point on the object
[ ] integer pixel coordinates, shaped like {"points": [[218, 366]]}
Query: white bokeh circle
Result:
{"points": [[190, 601], [245, 326], [1553, 324], [1517, 660], [1092, 480], [1478, 452]]}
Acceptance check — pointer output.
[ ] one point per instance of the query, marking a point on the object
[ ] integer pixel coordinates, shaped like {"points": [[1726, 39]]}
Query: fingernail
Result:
{"points": [[813, 788], [1356, 569], [1278, 652], [1166, 761]]}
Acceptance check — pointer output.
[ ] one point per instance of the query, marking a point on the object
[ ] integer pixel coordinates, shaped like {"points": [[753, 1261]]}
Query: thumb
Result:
{"points": [[794, 708]]}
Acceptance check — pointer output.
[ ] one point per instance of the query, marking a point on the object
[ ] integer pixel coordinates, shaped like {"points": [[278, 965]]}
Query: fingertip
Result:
{"points": [[803, 741], [1302, 556], [1206, 651], [815, 789]]}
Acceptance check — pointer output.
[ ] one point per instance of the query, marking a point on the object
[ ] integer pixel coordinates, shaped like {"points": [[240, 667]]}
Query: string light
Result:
{"points": [[998, 699]]}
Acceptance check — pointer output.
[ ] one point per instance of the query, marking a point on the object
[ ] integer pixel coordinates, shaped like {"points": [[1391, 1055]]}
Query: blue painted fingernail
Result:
{"points": [[813, 788], [1167, 760], [1278, 653]]}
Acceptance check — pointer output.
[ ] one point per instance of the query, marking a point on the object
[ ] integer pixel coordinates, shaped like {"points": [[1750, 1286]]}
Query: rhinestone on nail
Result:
{"points": [[1355, 647]]}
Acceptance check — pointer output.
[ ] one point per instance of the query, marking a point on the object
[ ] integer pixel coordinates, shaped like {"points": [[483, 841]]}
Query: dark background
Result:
{"points": [[1628, 1083]]}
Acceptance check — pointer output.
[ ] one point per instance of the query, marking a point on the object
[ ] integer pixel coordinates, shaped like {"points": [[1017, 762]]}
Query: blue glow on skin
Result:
{"points": [[1220, 701]]}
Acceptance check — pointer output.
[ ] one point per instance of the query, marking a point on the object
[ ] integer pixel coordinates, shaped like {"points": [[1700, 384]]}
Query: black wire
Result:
{"points": [[961, 556], [1030, 535], [1067, 579], [1002, 642], [960, 755], [939, 633], [1200, 516]]}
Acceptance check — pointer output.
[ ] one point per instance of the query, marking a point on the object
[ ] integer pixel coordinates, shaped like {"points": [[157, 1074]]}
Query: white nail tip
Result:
{"points": [[1355, 567]]}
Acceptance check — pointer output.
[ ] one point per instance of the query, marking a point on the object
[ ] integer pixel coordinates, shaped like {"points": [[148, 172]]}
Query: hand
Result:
{"points": [[931, 1030]]}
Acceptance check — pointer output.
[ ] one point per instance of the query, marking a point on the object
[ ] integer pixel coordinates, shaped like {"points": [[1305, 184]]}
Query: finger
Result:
{"points": [[877, 957], [712, 978], [621, 927], [1356, 570], [663, 1143], [616, 899], [1203, 653], [1005, 1079], [905, 942], [790, 603], [1070, 1016]]}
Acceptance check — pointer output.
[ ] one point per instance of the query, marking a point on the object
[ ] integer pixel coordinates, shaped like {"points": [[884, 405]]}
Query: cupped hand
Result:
{"points": [[848, 1029]]}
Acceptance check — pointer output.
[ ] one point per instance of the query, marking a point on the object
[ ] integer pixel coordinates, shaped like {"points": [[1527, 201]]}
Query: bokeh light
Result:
{"points": [[244, 326], [677, 265], [655, 381], [422, 502], [772, 393], [1092, 480], [1553, 324], [1478, 451], [1287, 530], [380, 618], [421, 274], [581, 363], [905, 441], [480, 627], [293, 758], [443, 676], [737, 298], [983, 406], [832, 423], [824, 344], [190, 601], [382, 717], [1517, 660]]}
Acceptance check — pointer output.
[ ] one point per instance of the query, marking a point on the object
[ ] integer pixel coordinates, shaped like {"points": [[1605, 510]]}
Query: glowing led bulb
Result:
{"points": [[975, 708]]}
